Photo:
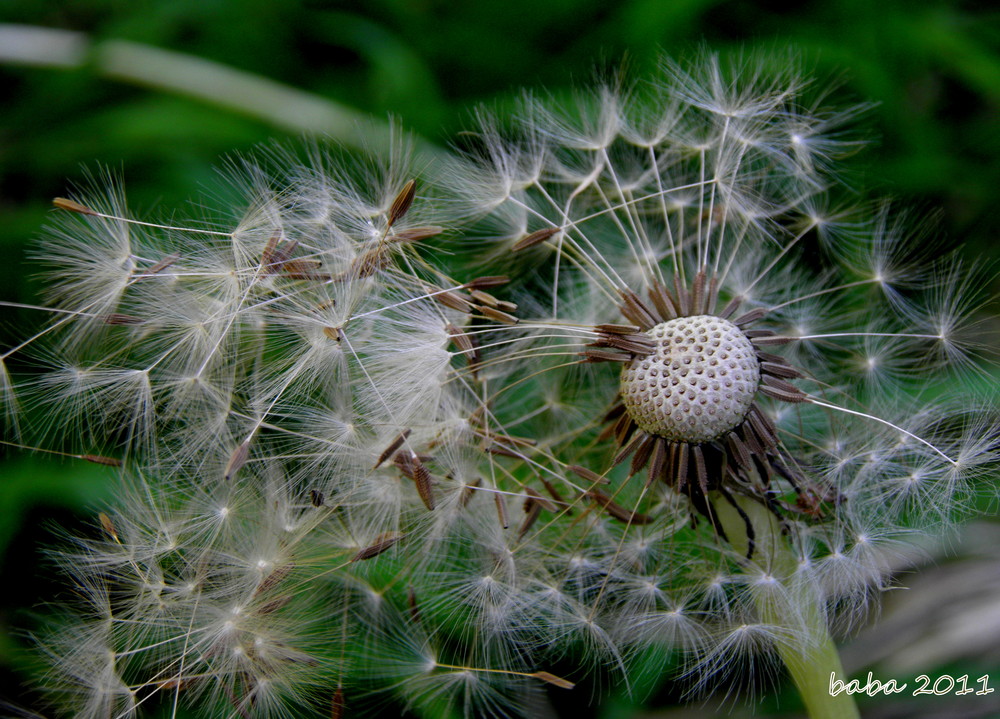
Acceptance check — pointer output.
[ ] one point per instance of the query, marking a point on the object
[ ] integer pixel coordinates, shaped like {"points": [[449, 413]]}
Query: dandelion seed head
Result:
{"points": [[628, 374]]}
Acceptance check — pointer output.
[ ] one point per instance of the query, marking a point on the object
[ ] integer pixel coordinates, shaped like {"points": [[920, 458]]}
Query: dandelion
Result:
{"points": [[621, 379], [285, 392], [754, 435]]}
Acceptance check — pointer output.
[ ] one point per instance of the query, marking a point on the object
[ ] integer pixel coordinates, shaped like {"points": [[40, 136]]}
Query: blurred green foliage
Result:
{"points": [[933, 68]]}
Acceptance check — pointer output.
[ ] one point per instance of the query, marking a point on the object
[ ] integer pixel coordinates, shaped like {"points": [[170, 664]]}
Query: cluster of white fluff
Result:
{"points": [[364, 459]]}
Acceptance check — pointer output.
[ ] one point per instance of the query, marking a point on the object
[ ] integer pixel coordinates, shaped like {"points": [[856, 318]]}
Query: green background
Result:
{"points": [[932, 68]]}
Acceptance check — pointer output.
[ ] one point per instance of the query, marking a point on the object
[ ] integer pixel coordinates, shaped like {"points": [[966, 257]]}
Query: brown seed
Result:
{"points": [[616, 510], [637, 344], [316, 498], [337, 705], [770, 341], [683, 298], [404, 463], [750, 317], [469, 492], [119, 319], [422, 479], [464, 342], [393, 446], [237, 459], [501, 509], [535, 498], [401, 205], [553, 679], [625, 451], [367, 264], [502, 451], [487, 282], [635, 310], [699, 468], [311, 276], [534, 238], [162, 264], [599, 355], [698, 293], [382, 542], [662, 301], [302, 268], [517, 441], [782, 385], [282, 255], [498, 315], [108, 526], [785, 396], [731, 307], [106, 461], [274, 605], [554, 493], [768, 357], [587, 475], [273, 579], [739, 451], [751, 440], [780, 370], [451, 299], [484, 298], [658, 462], [763, 424], [61, 203], [531, 512], [642, 453], [612, 329], [411, 603], [680, 463], [416, 234], [713, 294], [304, 264], [174, 684], [623, 429], [267, 255], [332, 333]]}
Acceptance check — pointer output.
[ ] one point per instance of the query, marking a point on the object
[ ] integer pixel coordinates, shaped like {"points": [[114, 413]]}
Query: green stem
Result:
{"points": [[808, 652]]}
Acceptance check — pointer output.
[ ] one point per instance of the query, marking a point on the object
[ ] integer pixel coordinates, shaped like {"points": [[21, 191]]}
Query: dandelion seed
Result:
{"points": [[401, 205], [501, 506], [106, 461], [62, 203], [337, 705], [108, 526], [381, 544], [536, 237], [553, 679], [238, 458]]}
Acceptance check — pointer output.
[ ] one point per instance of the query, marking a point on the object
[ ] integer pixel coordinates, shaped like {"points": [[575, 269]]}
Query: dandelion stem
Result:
{"points": [[806, 648]]}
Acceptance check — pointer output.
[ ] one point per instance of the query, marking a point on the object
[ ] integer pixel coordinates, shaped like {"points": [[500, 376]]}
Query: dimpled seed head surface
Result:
{"points": [[697, 384]]}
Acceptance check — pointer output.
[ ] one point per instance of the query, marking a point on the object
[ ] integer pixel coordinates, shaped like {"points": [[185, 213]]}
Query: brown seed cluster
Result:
{"points": [[697, 384]]}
